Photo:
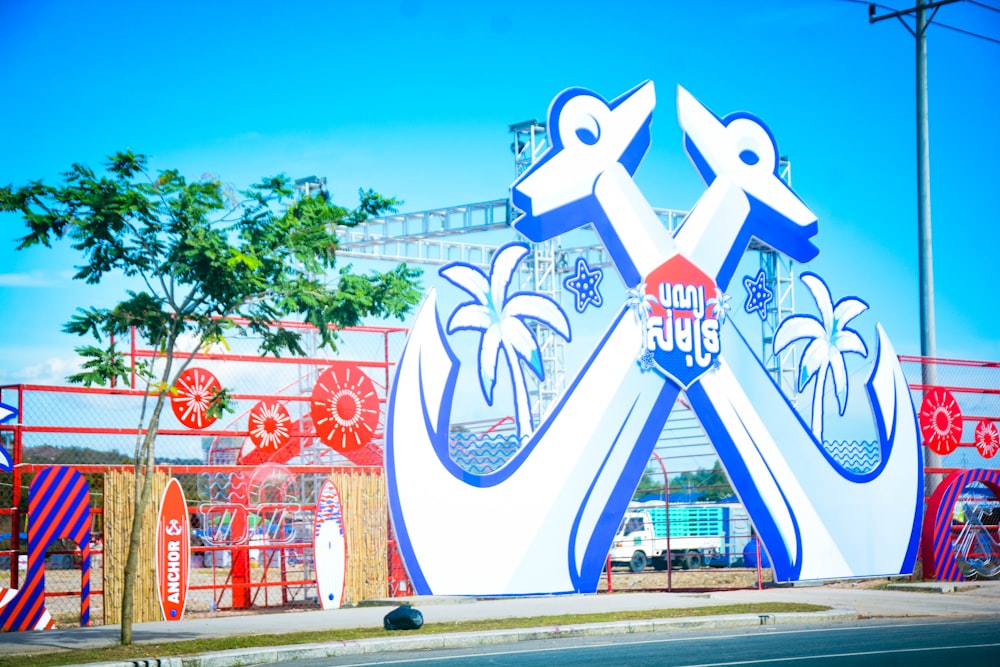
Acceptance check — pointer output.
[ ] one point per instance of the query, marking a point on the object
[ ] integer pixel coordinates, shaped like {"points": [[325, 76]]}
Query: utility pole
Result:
{"points": [[928, 347]]}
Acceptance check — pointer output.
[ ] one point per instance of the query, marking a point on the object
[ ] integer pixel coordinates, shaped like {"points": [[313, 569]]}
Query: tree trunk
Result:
{"points": [[817, 405], [138, 516], [522, 404]]}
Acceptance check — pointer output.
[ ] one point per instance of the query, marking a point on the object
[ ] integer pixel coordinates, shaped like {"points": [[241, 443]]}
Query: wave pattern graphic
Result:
{"points": [[214, 486], [856, 456], [481, 454]]}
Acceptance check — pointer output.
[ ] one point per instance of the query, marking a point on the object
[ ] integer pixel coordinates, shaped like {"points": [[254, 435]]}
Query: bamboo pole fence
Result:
{"points": [[364, 504], [366, 524], [119, 501]]}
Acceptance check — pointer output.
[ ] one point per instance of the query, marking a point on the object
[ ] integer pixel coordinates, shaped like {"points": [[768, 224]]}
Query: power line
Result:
{"points": [[969, 33], [925, 264], [876, 4], [984, 6], [893, 9]]}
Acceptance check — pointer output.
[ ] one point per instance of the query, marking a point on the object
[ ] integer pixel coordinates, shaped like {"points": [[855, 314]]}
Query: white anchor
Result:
{"points": [[543, 522]]}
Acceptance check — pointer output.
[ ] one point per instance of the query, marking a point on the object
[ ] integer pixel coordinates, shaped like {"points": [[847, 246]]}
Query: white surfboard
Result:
{"points": [[330, 547]]}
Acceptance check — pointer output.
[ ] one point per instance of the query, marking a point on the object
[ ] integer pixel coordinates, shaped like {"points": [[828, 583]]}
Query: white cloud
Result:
{"points": [[52, 371], [35, 278]]}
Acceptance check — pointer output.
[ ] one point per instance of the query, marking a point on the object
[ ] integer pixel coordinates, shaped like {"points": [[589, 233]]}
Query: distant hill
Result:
{"points": [[88, 456], [178, 462], [72, 455]]}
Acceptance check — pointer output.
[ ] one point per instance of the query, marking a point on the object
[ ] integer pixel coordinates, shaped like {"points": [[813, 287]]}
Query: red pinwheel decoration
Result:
{"points": [[940, 421], [193, 395], [344, 407], [987, 439], [269, 426]]}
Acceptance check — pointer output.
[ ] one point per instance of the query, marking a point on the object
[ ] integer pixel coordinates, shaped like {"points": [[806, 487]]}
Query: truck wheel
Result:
{"points": [[692, 562], [638, 562]]}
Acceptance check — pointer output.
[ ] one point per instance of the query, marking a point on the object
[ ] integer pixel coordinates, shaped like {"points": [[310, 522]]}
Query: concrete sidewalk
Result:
{"points": [[846, 602]]}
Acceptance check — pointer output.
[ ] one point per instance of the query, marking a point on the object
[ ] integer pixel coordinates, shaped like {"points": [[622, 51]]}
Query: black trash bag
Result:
{"points": [[403, 618]]}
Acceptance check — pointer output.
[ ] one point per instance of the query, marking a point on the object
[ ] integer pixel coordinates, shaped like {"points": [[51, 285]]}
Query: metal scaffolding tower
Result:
{"points": [[309, 186], [539, 275], [445, 235], [779, 276]]}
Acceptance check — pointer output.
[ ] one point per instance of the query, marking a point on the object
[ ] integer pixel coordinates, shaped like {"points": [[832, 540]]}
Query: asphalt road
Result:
{"points": [[912, 642]]}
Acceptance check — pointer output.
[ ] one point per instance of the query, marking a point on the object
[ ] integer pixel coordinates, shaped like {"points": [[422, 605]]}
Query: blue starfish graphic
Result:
{"points": [[758, 294], [6, 412], [584, 284], [646, 360]]}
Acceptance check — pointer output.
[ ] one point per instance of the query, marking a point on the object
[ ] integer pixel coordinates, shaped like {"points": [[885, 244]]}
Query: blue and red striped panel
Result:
{"points": [[936, 551], [58, 508]]}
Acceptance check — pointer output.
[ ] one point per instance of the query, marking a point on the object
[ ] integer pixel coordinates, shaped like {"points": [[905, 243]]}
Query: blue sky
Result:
{"points": [[414, 99]]}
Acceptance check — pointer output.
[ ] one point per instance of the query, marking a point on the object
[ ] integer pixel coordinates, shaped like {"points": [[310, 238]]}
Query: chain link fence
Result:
{"points": [[259, 512], [252, 506]]}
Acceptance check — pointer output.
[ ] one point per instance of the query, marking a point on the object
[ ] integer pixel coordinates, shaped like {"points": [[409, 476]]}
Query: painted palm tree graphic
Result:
{"points": [[502, 318], [829, 339], [720, 305]]}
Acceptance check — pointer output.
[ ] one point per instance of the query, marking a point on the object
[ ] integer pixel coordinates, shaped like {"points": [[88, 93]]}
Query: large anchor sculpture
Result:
{"points": [[543, 522]]}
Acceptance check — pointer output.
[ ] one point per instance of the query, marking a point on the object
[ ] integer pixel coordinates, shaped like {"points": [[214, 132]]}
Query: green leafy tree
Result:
{"points": [[203, 263], [711, 483], [706, 484], [652, 480]]}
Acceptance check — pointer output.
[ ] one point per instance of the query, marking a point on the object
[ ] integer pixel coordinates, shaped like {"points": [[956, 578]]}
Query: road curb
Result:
{"points": [[935, 587], [257, 656]]}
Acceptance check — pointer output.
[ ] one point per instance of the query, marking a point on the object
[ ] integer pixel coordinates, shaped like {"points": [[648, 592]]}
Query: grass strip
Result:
{"points": [[207, 645]]}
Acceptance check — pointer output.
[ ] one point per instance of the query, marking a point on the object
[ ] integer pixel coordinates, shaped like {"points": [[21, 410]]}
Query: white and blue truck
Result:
{"points": [[700, 534]]}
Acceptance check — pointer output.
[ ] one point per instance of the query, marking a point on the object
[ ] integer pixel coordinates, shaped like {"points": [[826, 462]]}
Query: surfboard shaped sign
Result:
{"points": [[173, 552], [330, 547]]}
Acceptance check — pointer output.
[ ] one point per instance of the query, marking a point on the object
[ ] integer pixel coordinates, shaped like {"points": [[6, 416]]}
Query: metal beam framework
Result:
{"points": [[779, 276], [531, 140], [429, 237]]}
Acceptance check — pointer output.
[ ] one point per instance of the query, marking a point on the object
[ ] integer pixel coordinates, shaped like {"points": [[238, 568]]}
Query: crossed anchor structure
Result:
{"points": [[543, 522]]}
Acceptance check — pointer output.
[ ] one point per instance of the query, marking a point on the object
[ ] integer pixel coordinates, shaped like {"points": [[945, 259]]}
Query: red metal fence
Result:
{"points": [[95, 431], [251, 508], [960, 399]]}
